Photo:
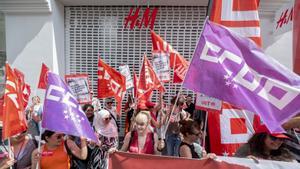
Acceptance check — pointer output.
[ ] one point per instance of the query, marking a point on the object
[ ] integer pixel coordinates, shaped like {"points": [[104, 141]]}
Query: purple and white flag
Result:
{"points": [[62, 113], [233, 69]]}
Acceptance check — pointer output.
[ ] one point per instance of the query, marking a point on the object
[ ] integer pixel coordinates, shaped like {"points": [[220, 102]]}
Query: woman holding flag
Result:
{"points": [[54, 154]]}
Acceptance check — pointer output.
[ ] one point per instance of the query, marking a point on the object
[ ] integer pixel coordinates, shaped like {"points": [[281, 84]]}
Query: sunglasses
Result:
{"points": [[196, 134], [107, 119], [58, 137], [109, 102], [275, 138]]}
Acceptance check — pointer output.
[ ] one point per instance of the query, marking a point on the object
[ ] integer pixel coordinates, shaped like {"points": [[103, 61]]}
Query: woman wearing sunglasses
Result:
{"points": [[54, 154], [265, 145], [188, 147], [107, 132]]}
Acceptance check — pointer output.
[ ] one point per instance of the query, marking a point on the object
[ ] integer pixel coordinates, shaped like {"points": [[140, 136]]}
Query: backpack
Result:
{"points": [[76, 163]]}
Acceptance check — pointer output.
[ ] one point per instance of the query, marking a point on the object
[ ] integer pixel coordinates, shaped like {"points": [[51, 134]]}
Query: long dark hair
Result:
{"points": [[188, 126], [257, 148], [86, 106]]}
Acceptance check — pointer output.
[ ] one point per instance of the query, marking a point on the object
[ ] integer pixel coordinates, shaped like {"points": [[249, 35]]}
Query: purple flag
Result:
{"points": [[62, 113], [232, 68]]}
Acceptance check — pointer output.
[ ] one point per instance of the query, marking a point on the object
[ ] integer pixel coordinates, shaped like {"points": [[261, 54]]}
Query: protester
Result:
{"points": [[107, 132], [95, 102], [89, 112], [54, 154], [109, 102], [129, 110], [190, 105], [23, 145], [173, 138], [35, 116], [188, 147], [141, 140], [77, 162], [292, 127], [265, 145]]}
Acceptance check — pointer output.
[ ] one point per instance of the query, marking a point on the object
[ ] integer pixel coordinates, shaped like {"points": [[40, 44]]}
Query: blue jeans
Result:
{"points": [[173, 143]]}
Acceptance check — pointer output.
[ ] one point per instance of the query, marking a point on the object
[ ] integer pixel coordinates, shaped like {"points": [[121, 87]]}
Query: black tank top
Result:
{"points": [[192, 148]]}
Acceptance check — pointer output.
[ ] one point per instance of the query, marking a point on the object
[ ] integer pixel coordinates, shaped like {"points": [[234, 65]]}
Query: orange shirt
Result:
{"points": [[57, 158]]}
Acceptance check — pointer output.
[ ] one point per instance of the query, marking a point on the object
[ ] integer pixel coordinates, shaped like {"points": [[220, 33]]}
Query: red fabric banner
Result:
{"points": [[14, 120], [296, 37], [111, 83], [230, 128], [43, 77], [25, 88], [121, 160], [238, 15], [177, 62], [148, 82]]}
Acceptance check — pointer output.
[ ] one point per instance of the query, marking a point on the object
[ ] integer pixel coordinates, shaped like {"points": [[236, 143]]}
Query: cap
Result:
{"points": [[149, 104], [263, 129]]}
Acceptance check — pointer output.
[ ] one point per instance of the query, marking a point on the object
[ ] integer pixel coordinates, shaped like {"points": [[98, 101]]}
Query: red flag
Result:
{"points": [[230, 128], [296, 37], [43, 77], [148, 81], [111, 83], [122, 160], [177, 62], [239, 16], [14, 120], [25, 88]]}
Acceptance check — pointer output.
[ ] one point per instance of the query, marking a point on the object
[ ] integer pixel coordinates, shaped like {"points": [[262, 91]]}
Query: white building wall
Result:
{"points": [[36, 38], [279, 47]]}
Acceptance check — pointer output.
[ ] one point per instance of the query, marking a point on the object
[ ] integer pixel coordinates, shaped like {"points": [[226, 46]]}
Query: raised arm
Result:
{"points": [[79, 152]]}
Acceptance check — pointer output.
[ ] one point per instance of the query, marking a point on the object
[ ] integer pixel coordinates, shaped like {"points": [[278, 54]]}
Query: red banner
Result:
{"points": [[239, 16], [177, 62], [230, 128], [296, 37], [121, 160], [111, 83], [25, 88], [43, 77], [14, 120], [148, 82]]}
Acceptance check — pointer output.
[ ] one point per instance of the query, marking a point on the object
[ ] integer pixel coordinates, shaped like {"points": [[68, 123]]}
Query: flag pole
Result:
{"points": [[39, 147], [168, 122], [10, 155], [204, 131]]}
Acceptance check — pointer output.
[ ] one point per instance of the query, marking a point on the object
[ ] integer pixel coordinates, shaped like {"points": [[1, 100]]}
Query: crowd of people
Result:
{"points": [[162, 128]]}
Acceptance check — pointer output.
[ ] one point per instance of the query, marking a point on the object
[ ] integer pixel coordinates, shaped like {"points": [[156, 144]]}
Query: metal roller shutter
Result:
{"points": [[98, 31]]}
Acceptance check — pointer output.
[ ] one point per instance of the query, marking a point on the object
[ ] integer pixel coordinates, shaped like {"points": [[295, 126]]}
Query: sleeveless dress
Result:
{"points": [[148, 147], [192, 148], [57, 158]]}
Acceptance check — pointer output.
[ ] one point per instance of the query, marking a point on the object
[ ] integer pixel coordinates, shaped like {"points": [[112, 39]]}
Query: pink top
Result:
{"points": [[148, 147]]}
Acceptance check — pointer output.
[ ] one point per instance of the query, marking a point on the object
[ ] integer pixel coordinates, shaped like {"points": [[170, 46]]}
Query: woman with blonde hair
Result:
{"points": [[141, 140]]}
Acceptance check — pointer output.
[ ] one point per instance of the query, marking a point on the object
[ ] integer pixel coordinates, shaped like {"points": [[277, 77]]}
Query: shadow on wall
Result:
{"points": [[21, 30]]}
